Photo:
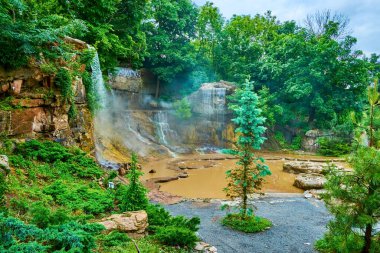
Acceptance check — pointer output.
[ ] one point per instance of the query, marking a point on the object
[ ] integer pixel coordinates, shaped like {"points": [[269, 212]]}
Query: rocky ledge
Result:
{"points": [[132, 223]]}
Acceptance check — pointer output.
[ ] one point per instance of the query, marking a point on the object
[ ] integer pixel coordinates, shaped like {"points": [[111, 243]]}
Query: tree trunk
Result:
{"points": [[157, 87], [245, 197], [371, 142], [367, 238], [368, 228]]}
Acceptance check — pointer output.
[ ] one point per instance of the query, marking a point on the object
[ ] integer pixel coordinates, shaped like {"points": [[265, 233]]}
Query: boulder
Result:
{"points": [[28, 102], [314, 193], [310, 140], [297, 167], [4, 87], [211, 98], [126, 79], [152, 171], [132, 223], [309, 181], [16, 86], [4, 165], [183, 175], [195, 164]]}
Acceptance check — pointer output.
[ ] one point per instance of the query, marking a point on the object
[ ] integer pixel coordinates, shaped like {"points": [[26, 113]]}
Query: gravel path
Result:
{"points": [[297, 224]]}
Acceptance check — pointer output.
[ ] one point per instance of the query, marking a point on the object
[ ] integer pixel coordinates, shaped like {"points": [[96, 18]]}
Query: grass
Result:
{"points": [[249, 224]]}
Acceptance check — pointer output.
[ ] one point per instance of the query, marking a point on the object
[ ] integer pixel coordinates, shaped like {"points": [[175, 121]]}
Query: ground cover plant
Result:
{"points": [[53, 194]]}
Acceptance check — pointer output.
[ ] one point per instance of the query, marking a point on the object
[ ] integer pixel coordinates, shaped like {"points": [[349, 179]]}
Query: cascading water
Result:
{"points": [[163, 130], [127, 72], [98, 82], [102, 115]]}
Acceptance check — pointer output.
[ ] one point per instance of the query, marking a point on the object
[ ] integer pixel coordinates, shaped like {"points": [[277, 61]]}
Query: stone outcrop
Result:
{"points": [[36, 108], [126, 79], [210, 98], [297, 167], [309, 181], [4, 165], [132, 223], [310, 140]]}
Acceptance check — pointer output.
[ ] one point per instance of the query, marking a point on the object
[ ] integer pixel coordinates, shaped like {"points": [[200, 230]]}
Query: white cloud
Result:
{"points": [[363, 15]]}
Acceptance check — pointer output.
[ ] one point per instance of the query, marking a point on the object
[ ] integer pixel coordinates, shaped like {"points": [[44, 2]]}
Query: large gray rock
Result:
{"points": [[297, 167], [310, 140], [126, 79], [210, 98], [309, 181], [4, 165], [132, 223]]}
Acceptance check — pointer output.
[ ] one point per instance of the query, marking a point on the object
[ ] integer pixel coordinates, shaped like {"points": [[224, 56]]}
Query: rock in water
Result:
{"points": [[297, 167], [152, 171], [132, 223], [309, 181]]}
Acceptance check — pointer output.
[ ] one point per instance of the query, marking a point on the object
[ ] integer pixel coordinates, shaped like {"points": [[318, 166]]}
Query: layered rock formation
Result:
{"points": [[132, 223], [135, 120], [32, 107]]}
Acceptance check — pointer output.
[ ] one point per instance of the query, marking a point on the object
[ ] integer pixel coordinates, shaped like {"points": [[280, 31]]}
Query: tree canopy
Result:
{"points": [[310, 72]]}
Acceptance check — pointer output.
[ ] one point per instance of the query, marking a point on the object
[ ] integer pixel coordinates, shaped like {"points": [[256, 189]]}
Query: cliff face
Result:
{"points": [[32, 107]]}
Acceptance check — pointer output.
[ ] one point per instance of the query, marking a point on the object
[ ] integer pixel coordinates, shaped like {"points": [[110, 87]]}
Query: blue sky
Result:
{"points": [[363, 14]]}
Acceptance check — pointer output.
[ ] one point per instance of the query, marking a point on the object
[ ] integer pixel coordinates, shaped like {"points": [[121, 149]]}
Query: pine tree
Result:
{"points": [[247, 177], [354, 197], [134, 195]]}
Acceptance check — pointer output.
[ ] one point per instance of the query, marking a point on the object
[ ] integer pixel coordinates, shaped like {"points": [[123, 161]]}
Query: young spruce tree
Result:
{"points": [[133, 197], [247, 177]]}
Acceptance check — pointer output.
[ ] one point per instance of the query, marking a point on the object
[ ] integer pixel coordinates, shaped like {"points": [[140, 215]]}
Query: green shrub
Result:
{"points": [[73, 161], [21, 206], [70, 237], [43, 217], [91, 94], [64, 82], [182, 109], [3, 190], [250, 224], [133, 196], [159, 217], [296, 143], [176, 236], [115, 238], [91, 200], [6, 104], [280, 138], [333, 146]]}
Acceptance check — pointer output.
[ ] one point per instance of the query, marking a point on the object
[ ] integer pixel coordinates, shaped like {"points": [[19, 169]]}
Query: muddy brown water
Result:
{"points": [[209, 181]]}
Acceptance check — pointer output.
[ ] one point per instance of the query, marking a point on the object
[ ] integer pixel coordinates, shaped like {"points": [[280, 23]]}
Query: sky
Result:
{"points": [[363, 14]]}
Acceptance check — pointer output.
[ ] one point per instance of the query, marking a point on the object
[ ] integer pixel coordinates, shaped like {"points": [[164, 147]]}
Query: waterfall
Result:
{"points": [[214, 100], [97, 80], [127, 72], [219, 99], [103, 115], [163, 130]]}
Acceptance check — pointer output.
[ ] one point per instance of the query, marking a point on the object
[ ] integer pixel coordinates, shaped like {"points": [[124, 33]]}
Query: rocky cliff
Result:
{"points": [[31, 106]]}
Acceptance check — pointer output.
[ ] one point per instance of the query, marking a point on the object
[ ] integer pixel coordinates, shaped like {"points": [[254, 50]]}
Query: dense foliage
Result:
{"points": [[354, 199], [133, 196], [54, 192], [333, 146], [248, 176], [17, 236], [311, 73]]}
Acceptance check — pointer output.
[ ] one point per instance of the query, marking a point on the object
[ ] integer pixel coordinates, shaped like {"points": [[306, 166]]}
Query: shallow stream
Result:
{"points": [[207, 177]]}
